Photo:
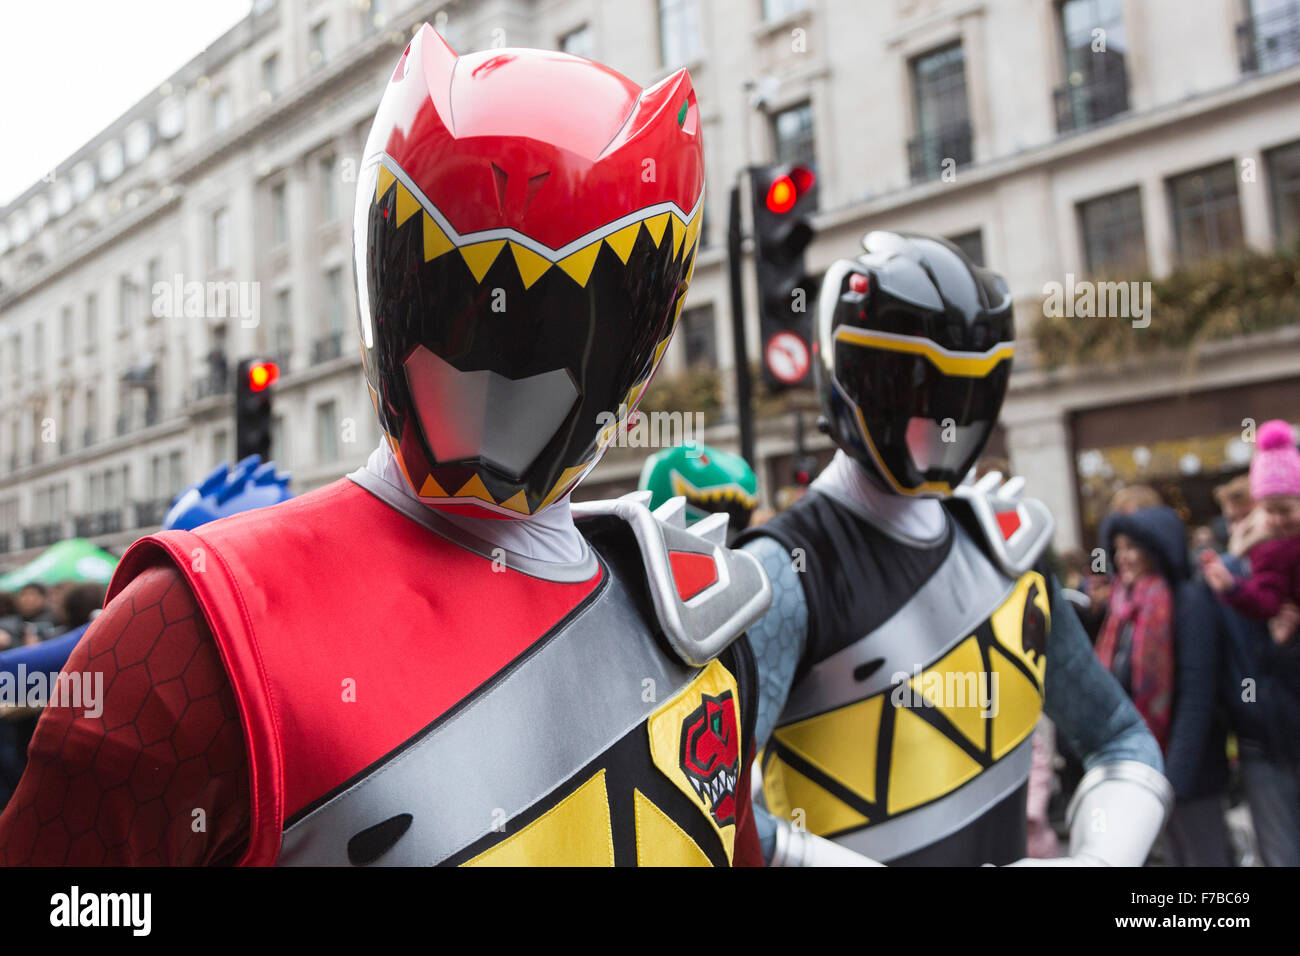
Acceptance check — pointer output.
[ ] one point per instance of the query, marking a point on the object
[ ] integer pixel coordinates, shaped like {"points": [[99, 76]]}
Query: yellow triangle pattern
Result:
{"points": [[843, 742], [406, 205], [386, 179], [964, 661], [474, 488], [575, 832], [435, 240], [792, 796], [579, 264], [479, 256], [517, 503], [623, 241], [679, 233], [558, 488], [1018, 704], [692, 231], [531, 265], [430, 488], [655, 225], [660, 841], [924, 764]]}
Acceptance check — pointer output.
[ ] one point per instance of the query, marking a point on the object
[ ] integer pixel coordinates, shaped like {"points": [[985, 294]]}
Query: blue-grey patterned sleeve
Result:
{"points": [[1085, 702], [778, 641]]}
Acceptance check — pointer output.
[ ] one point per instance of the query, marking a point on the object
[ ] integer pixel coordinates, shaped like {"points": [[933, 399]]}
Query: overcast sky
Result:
{"points": [[68, 69]]}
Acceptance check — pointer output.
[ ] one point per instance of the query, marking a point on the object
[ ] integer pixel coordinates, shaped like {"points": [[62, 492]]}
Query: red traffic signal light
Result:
{"points": [[785, 190], [261, 375]]}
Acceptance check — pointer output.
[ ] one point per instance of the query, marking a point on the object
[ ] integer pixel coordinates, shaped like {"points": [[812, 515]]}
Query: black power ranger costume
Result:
{"points": [[486, 680], [913, 641]]}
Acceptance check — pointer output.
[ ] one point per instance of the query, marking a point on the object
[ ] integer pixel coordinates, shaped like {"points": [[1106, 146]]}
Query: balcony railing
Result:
{"points": [[150, 514], [1271, 41], [1095, 99], [42, 535], [217, 383], [327, 347], [98, 522], [929, 153]]}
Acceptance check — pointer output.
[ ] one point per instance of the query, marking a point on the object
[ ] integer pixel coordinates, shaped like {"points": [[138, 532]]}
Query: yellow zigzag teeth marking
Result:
{"points": [[479, 256], [579, 264], [623, 241], [531, 266], [435, 240]]}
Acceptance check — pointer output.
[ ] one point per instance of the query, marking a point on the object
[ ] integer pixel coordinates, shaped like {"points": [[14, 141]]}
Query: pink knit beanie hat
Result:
{"points": [[1275, 467]]}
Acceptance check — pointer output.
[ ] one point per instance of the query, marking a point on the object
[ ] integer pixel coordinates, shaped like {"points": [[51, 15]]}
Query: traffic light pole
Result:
{"points": [[740, 351]]}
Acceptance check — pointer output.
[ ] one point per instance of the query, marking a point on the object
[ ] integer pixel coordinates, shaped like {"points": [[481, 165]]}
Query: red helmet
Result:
{"points": [[525, 230]]}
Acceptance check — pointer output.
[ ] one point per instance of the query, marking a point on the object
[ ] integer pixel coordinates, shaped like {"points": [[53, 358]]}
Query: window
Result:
{"points": [[792, 136], [139, 140], [127, 302], [157, 478], [220, 110], [175, 472], [271, 77], [220, 441], [972, 244], [701, 334], [1284, 176], [1114, 241], [279, 454], [16, 353], [679, 32], [92, 321], [329, 188], [38, 346], [171, 118], [317, 51], [111, 161], [279, 215], [577, 42], [334, 301], [780, 9], [1207, 216], [220, 239], [1270, 37], [153, 279], [92, 418], [65, 332], [327, 445], [1096, 80], [943, 137], [282, 332]]}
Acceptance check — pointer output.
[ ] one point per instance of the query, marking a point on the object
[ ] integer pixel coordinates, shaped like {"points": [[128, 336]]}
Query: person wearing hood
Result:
{"points": [[1159, 642]]}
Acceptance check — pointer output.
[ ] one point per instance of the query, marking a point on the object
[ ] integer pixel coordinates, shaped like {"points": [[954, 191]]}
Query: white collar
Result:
{"points": [[549, 536], [915, 520]]}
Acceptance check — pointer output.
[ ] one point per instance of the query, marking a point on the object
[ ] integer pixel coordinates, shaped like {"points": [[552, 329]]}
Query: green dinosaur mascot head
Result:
{"points": [[709, 480]]}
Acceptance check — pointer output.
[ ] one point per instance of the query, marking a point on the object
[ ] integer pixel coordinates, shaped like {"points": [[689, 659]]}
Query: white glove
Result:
{"points": [[801, 848], [1116, 814]]}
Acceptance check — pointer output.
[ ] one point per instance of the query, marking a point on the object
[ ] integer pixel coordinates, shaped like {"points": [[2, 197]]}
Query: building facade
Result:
{"points": [[1051, 140]]}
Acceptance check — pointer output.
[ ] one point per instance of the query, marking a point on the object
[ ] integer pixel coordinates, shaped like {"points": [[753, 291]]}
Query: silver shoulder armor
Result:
{"points": [[705, 594], [1017, 529]]}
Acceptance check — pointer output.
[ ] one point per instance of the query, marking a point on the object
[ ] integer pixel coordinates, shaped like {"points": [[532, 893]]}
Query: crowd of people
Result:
{"points": [[1200, 631], [33, 614]]}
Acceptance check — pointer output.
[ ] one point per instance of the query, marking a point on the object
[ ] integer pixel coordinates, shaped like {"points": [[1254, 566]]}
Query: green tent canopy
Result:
{"points": [[73, 560]]}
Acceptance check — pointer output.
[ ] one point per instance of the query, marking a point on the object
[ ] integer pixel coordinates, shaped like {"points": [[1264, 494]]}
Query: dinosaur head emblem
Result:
{"points": [[710, 755]]}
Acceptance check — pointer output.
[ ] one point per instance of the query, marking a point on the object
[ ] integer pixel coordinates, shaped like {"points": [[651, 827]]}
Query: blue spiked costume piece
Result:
{"points": [[252, 483]]}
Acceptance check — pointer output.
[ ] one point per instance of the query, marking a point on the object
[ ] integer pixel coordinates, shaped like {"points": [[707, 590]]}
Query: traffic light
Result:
{"points": [[253, 384], [784, 199]]}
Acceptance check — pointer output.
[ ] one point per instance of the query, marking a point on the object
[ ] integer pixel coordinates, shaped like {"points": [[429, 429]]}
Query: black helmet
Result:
{"points": [[913, 357]]}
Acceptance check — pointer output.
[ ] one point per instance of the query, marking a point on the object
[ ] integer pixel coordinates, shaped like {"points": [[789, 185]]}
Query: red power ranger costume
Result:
{"points": [[353, 677]]}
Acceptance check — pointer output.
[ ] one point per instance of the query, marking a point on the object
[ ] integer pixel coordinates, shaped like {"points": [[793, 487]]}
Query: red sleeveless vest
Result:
{"points": [[321, 608]]}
